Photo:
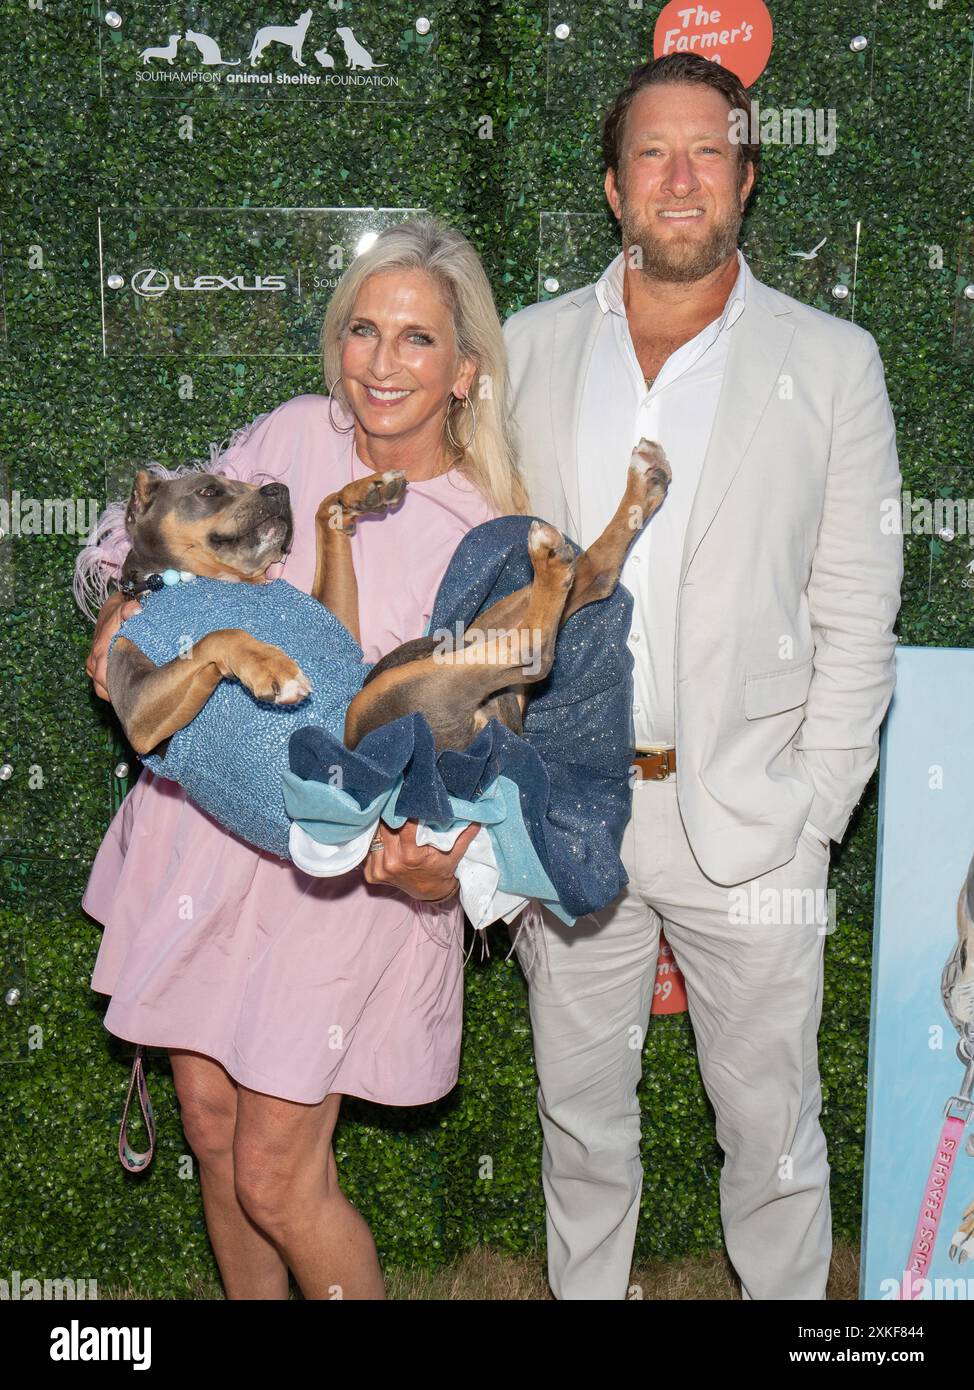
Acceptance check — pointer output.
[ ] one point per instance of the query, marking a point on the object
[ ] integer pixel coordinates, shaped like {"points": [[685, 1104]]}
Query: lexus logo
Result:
{"points": [[151, 283]]}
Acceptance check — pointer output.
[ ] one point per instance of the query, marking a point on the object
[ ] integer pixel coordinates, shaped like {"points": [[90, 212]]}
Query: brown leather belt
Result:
{"points": [[656, 764]]}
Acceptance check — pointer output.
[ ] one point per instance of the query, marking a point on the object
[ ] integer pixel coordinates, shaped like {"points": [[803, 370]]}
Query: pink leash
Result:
{"points": [[136, 1162], [935, 1192]]}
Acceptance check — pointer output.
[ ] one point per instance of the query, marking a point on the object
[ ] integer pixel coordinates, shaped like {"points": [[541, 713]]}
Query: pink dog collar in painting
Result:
{"points": [[957, 1111], [932, 1207]]}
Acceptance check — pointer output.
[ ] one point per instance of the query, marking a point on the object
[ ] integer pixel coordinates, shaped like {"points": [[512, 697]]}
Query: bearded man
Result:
{"points": [[765, 596]]}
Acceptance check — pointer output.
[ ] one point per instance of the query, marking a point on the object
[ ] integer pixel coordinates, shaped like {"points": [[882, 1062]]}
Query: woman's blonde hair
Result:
{"points": [[489, 461]]}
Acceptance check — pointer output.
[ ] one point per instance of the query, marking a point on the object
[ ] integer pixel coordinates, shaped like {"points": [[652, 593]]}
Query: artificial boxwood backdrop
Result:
{"points": [[497, 131]]}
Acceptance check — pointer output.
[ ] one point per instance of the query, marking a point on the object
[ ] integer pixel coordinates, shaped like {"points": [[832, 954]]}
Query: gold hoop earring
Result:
{"points": [[462, 448], [345, 405]]}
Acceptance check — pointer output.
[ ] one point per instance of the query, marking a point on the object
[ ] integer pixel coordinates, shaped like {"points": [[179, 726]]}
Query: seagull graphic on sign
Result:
{"points": [[810, 255]]}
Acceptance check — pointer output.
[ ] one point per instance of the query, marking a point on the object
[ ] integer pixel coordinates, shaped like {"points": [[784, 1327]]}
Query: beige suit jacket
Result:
{"points": [[789, 585]]}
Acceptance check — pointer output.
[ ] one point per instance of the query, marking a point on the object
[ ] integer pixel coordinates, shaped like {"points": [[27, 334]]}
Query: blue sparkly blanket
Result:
{"points": [[555, 801]]}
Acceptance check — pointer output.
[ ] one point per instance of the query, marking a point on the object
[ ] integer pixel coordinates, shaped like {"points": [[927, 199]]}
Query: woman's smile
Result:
{"points": [[385, 396]]}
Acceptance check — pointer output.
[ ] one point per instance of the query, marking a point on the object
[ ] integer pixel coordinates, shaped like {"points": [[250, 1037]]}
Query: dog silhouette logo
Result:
{"points": [[168, 53], [356, 55], [291, 35]]}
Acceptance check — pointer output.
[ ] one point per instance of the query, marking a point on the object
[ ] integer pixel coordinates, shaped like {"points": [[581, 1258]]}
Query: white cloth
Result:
{"points": [[678, 410], [477, 871]]}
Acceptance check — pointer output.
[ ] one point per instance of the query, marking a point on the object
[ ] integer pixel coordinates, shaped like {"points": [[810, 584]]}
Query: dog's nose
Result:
{"points": [[274, 490]]}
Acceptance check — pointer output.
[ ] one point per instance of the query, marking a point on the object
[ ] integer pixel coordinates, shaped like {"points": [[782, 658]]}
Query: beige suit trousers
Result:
{"points": [[752, 958]]}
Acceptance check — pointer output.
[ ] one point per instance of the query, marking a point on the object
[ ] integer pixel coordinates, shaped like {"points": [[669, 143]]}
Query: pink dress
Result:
{"points": [[299, 986]]}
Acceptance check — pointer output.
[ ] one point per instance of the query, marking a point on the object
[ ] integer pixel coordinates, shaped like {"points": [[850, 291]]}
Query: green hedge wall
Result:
{"points": [[74, 422]]}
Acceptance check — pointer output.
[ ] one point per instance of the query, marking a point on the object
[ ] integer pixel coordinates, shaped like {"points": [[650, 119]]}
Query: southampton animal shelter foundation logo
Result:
{"points": [[299, 53]]}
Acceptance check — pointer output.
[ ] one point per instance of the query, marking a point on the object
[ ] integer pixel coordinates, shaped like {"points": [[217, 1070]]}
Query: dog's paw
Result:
{"points": [[550, 553], [294, 690], [961, 1246], [649, 474], [393, 484], [270, 674], [374, 494]]}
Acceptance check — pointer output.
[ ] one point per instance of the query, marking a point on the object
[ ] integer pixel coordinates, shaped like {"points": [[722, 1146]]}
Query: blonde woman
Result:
{"points": [[276, 993]]}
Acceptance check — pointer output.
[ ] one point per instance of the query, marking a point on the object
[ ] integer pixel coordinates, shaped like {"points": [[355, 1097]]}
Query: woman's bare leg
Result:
{"points": [[287, 1181], [251, 1267]]}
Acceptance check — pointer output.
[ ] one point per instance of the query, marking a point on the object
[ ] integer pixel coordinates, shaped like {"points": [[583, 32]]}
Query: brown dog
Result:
{"points": [[212, 526]]}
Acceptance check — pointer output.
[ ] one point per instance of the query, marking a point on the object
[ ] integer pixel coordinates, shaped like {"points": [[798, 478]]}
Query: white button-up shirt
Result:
{"points": [[677, 410]]}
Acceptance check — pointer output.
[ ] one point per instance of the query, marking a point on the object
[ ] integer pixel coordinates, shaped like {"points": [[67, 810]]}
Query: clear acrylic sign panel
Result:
{"points": [[351, 51], [250, 282], [963, 307], [574, 249], [593, 47], [814, 262]]}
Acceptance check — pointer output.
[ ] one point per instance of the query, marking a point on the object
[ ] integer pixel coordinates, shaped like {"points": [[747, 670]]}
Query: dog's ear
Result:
{"points": [[143, 493]]}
